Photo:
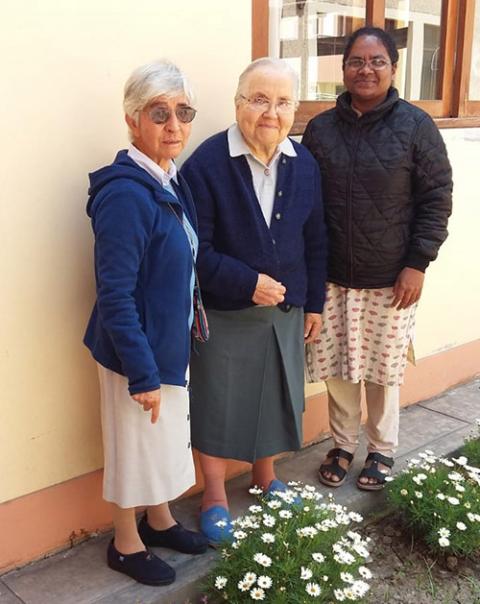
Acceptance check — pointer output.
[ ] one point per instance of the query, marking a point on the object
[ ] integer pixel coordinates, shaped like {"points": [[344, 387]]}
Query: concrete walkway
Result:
{"points": [[80, 575]]}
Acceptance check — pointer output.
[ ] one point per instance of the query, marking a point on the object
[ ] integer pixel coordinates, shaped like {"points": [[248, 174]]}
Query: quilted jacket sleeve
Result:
{"points": [[432, 193]]}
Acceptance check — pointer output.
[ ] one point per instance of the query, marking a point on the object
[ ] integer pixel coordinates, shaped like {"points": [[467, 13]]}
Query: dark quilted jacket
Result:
{"points": [[387, 187]]}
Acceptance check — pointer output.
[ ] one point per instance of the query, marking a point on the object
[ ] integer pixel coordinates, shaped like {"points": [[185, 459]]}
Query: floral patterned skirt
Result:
{"points": [[362, 338]]}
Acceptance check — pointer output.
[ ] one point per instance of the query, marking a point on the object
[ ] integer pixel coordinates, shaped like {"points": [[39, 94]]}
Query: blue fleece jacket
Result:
{"points": [[143, 265], [236, 243]]}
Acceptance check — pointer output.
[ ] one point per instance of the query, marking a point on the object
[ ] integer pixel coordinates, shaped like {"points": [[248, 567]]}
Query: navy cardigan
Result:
{"points": [[143, 266], [235, 241]]}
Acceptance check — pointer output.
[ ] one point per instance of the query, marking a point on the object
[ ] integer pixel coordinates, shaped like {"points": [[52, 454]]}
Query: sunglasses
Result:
{"points": [[160, 115]]}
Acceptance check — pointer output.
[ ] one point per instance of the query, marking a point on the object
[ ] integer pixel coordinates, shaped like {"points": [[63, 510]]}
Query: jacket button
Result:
{"points": [[278, 215], [280, 193], [267, 172], [273, 241], [189, 445], [284, 161]]}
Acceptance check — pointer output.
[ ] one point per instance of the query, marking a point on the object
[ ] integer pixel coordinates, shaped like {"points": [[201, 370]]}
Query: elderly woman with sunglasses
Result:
{"points": [[387, 183], [144, 223], [261, 264]]}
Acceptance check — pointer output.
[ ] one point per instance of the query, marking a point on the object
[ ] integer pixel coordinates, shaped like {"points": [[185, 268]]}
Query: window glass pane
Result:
{"points": [[311, 35], [416, 27], [474, 90]]}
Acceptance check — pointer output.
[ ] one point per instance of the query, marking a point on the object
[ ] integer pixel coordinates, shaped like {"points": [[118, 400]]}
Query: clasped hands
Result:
{"points": [[270, 292]]}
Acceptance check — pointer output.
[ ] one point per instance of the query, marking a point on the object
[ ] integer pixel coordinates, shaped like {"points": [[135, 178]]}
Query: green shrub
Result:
{"points": [[471, 448], [440, 501], [290, 553]]}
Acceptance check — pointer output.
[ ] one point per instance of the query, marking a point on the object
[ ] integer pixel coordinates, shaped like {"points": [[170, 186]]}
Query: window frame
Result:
{"points": [[452, 110]]}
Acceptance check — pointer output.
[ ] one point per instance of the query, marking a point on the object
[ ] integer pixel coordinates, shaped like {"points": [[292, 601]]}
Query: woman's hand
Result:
{"points": [[149, 401], [312, 325], [268, 291], [408, 288]]}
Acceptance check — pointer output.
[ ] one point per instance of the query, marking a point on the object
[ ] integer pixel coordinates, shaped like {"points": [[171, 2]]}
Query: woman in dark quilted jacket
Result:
{"points": [[387, 192]]}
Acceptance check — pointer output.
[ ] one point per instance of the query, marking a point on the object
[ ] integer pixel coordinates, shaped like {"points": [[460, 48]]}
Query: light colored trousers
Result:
{"points": [[344, 407]]}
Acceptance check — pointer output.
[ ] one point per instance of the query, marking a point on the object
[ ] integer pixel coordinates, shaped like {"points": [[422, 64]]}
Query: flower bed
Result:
{"points": [[291, 549], [439, 499]]}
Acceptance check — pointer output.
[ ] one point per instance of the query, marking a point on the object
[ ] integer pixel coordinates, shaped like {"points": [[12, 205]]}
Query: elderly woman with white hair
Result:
{"points": [[261, 262], [144, 223]]}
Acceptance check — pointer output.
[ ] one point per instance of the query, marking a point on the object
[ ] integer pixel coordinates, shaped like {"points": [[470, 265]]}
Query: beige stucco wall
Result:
{"points": [[63, 68], [62, 76]]}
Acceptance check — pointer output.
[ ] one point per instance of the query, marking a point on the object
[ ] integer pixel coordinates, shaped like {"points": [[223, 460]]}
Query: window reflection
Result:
{"points": [[310, 35], [416, 27]]}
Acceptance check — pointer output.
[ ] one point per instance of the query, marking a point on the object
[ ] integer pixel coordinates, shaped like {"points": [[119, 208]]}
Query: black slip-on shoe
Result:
{"points": [[145, 567], [176, 537]]}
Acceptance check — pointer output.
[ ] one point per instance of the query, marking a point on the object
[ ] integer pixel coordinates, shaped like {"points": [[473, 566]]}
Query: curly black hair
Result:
{"points": [[384, 37]]}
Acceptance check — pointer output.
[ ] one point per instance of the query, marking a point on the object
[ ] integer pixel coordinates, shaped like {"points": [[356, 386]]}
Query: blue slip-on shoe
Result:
{"points": [[277, 486], [216, 525], [176, 537], [143, 566]]}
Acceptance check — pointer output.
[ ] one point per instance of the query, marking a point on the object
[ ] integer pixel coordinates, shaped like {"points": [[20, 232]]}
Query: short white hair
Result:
{"points": [[159, 78], [268, 64]]}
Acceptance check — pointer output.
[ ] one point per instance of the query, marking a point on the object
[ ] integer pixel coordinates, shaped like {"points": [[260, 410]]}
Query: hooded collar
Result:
{"points": [[347, 113]]}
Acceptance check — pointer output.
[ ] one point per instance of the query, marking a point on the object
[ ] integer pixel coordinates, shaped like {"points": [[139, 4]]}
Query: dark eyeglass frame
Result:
{"points": [[357, 63], [160, 114]]}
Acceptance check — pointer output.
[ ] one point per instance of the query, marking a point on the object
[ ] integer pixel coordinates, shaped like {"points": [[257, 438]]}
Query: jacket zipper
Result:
{"points": [[349, 208]]}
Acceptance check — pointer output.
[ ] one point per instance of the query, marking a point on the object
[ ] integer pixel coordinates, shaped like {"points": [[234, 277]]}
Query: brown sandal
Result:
{"points": [[335, 468]]}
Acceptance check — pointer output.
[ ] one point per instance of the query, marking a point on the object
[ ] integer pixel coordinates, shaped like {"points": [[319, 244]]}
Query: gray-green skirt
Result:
{"points": [[247, 384]]}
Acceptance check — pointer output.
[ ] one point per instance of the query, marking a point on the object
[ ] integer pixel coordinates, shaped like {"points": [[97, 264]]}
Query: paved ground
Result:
{"points": [[80, 575]]}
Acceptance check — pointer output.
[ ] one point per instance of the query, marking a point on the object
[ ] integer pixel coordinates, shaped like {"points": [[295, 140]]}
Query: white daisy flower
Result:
{"points": [[268, 538], [453, 500], [462, 460], [285, 514], [243, 585], [269, 520], [418, 494], [220, 582], [257, 593], [355, 517], [365, 572], [455, 476], [404, 492], [460, 488], [448, 463], [307, 531], [305, 573], [443, 532], [441, 496], [240, 534], [255, 509], [318, 557], [360, 588], [262, 559], [313, 589], [274, 504], [347, 577], [265, 582], [339, 595], [443, 542], [461, 526], [250, 578], [255, 491]]}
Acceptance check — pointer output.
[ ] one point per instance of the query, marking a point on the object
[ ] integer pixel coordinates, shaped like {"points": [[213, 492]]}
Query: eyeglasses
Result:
{"points": [[262, 104], [376, 64], [160, 114]]}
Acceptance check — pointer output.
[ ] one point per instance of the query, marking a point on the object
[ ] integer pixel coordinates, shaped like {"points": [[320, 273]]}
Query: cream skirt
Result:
{"points": [[145, 463]]}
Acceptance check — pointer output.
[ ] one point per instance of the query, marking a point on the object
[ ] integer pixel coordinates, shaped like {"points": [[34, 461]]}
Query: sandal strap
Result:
{"points": [[333, 468], [373, 472], [377, 458], [337, 452]]}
